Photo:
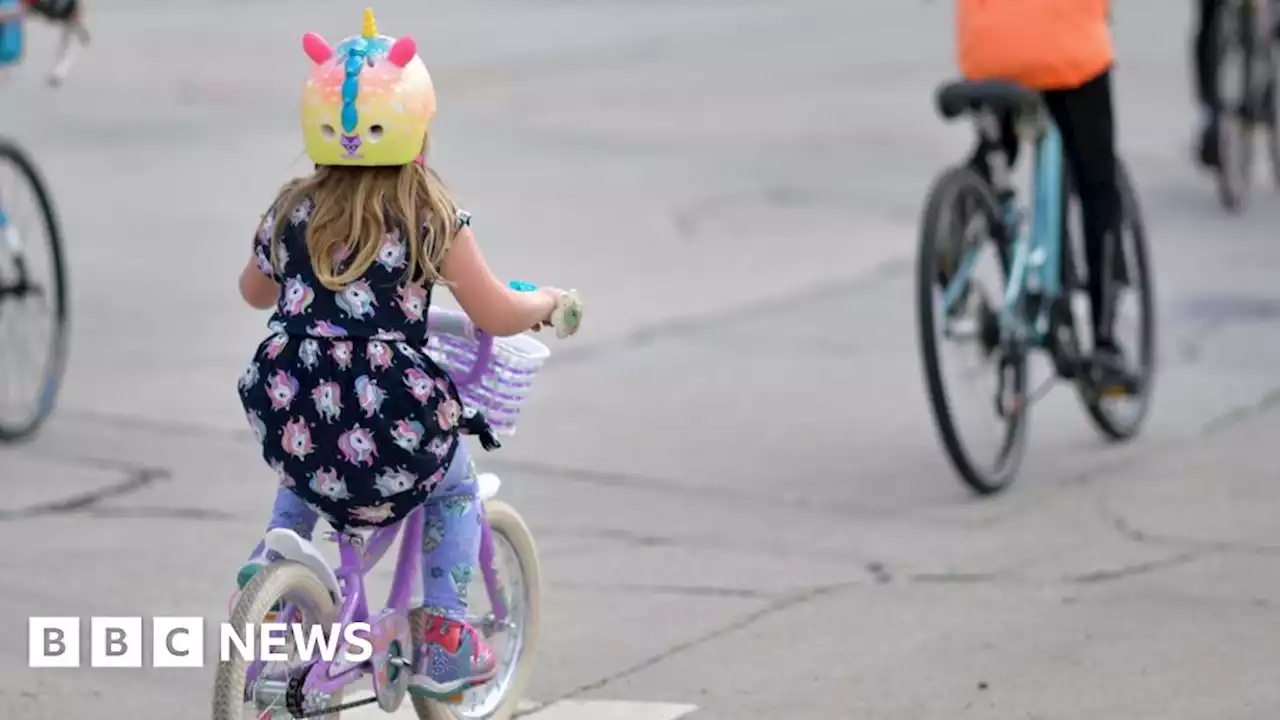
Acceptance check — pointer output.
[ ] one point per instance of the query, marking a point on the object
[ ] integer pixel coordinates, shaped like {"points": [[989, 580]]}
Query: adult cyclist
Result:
{"points": [[65, 13], [1204, 61], [1063, 49]]}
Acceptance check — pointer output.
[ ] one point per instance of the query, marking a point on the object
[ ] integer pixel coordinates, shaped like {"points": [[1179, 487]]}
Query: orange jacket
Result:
{"points": [[1043, 44]]}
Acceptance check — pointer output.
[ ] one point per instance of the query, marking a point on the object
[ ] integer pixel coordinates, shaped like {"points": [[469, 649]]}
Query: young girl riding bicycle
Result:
{"points": [[359, 425]]}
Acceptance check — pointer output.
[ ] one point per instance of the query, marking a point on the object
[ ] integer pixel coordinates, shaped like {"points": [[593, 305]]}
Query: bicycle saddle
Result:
{"points": [[1000, 96]]}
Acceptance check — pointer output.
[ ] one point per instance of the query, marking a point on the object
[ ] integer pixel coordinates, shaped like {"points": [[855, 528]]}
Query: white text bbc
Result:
{"points": [[178, 642]]}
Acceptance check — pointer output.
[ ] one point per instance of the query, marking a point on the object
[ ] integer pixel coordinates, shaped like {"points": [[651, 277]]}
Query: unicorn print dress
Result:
{"points": [[351, 413]]}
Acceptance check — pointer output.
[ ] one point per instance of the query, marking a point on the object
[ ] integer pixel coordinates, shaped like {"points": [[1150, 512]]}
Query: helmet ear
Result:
{"points": [[403, 51], [316, 48]]}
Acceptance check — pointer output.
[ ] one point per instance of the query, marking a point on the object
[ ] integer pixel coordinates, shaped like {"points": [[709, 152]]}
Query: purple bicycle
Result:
{"points": [[493, 377]]}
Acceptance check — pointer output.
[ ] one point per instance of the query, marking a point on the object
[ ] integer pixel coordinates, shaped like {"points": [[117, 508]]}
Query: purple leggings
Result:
{"points": [[450, 537]]}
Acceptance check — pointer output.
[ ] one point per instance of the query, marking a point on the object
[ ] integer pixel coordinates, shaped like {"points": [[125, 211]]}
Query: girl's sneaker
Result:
{"points": [[452, 658], [247, 573]]}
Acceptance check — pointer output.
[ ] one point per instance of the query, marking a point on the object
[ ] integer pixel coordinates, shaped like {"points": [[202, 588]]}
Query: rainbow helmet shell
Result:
{"points": [[368, 102]]}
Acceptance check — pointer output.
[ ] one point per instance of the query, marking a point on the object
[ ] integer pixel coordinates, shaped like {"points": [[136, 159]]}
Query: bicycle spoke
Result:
{"points": [[10, 368]]}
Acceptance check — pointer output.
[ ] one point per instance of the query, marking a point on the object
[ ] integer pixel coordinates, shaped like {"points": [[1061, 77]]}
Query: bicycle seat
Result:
{"points": [[1000, 96]]}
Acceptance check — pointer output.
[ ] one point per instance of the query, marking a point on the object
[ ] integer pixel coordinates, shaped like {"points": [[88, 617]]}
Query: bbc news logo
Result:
{"points": [[178, 642]]}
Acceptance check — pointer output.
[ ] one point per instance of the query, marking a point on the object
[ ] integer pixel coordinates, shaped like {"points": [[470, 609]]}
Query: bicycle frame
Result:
{"points": [[357, 558], [1037, 258], [1037, 252]]}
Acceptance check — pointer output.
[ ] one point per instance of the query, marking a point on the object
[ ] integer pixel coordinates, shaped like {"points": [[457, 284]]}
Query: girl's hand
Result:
{"points": [[553, 294]]}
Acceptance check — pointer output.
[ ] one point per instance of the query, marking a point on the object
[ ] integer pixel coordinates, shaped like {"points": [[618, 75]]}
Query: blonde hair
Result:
{"points": [[353, 207]]}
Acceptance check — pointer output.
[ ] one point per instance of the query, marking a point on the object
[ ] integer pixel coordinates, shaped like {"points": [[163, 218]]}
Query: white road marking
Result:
{"points": [[562, 710]]}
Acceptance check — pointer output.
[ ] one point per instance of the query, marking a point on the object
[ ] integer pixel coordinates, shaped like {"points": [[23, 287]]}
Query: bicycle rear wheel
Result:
{"points": [[28, 222], [1120, 418], [516, 564], [962, 218]]}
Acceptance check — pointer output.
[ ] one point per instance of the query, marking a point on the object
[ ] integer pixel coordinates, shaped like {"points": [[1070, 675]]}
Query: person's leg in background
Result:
{"points": [[1206, 78], [453, 655], [1084, 116]]}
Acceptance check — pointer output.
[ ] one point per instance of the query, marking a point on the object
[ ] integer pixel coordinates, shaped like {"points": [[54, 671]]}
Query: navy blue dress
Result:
{"points": [[351, 413]]}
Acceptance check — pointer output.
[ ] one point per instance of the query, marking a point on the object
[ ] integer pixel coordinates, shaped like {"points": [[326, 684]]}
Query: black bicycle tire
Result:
{"points": [[1234, 199], [1107, 426], [53, 373], [1273, 108], [945, 188]]}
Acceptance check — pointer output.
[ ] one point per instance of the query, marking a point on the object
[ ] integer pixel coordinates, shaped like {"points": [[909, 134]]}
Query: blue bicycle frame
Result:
{"points": [[1037, 253]]}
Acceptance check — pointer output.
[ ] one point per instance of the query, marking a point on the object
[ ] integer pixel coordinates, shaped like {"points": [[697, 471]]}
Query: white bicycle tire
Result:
{"points": [[505, 521]]}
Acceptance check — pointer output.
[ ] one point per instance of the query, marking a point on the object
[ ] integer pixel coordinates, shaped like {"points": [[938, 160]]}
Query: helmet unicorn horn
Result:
{"points": [[368, 102]]}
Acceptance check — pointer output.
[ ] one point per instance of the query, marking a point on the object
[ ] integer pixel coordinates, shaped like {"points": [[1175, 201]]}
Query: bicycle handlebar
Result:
{"points": [[566, 318]]}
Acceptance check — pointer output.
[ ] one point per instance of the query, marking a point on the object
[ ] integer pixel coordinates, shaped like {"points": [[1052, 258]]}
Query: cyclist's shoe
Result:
{"points": [[247, 572], [451, 659], [1109, 374]]}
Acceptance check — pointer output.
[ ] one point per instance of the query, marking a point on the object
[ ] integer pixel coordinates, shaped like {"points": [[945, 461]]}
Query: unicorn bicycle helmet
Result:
{"points": [[368, 102]]}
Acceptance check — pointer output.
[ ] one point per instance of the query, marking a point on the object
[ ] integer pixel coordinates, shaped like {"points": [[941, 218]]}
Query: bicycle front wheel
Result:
{"points": [[28, 226], [957, 301], [515, 560]]}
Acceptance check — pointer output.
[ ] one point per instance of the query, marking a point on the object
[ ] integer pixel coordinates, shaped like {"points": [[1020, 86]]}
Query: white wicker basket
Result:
{"points": [[499, 392]]}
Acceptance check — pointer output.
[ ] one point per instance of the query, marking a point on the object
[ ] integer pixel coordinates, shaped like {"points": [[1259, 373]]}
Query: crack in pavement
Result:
{"points": [[643, 540], [161, 512], [136, 477], [695, 324], [1124, 572], [131, 483], [1268, 402], [959, 578], [1127, 529], [785, 603]]}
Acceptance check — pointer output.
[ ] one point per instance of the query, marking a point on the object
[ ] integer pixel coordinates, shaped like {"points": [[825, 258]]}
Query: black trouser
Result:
{"points": [[1084, 118], [56, 10], [1206, 70]]}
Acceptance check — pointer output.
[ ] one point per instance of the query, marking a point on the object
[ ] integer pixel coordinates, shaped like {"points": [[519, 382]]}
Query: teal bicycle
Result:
{"points": [[969, 218]]}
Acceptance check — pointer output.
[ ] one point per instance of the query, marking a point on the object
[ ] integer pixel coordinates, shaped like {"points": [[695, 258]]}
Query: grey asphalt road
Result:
{"points": [[737, 490]]}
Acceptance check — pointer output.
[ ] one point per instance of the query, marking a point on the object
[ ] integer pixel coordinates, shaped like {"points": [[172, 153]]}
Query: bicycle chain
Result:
{"points": [[294, 700]]}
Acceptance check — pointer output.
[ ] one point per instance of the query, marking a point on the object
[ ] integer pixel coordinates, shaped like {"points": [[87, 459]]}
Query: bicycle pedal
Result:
{"points": [[454, 699]]}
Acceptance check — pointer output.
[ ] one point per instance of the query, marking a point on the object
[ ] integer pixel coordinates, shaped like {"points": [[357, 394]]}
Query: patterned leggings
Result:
{"points": [[450, 537]]}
